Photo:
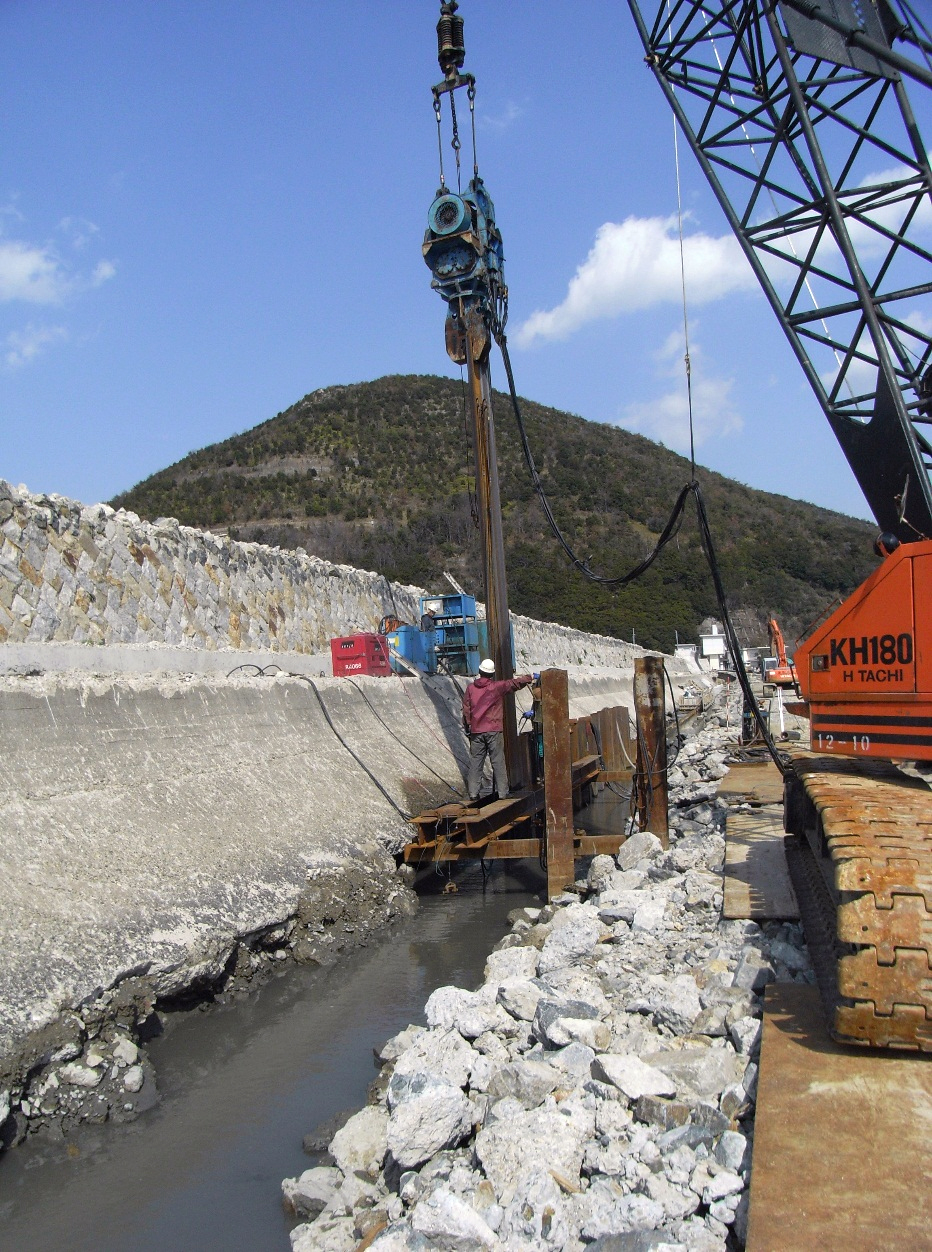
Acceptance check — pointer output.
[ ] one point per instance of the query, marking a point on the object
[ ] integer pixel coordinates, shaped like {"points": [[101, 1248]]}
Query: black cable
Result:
{"points": [[597, 736], [380, 718], [359, 761], [705, 534], [676, 716], [261, 671], [668, 532]]}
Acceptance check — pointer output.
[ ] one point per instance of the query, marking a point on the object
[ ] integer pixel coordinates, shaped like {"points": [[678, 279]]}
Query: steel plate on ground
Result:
{"points": [[841, 1159], [752, 782], [757, 881]]}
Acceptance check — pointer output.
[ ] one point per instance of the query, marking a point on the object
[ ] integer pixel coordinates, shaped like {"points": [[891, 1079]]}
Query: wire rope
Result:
{"points": [[686, 358]]}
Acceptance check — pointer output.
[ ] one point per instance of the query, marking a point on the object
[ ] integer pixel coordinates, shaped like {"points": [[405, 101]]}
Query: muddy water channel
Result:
{"points": [[242, 1085]]}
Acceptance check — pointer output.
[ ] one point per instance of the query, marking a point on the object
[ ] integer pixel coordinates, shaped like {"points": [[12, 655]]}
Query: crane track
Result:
{"points": [[863, 873]]}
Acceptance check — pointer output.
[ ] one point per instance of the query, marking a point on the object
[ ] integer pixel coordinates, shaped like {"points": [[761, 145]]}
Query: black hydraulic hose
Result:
{"points": [[676, 717], [400, 741], [359, 761], [705, 534], [669, 531], [261, 670], [621, 580]]}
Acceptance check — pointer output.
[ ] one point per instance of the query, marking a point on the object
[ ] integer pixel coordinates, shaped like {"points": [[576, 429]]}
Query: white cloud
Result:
{"points": [[666, 418], [502, 120], [22, 345], [36, 274], [31, 273], [635, 264], [868, 240], [79, 231], [102, 271]]}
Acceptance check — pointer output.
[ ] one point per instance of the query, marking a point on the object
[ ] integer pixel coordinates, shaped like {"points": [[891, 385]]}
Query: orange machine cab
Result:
{"points": [[867, 671]]}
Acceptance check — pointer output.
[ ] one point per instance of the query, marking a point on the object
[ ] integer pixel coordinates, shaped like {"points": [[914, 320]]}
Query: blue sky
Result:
{"points": [[208, 210]]}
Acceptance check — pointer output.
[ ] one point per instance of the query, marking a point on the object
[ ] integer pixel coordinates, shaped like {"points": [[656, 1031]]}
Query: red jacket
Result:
{"points": [[483, 702]]}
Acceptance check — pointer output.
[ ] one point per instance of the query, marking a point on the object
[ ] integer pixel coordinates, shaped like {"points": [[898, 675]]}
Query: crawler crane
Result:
{"points": [[798, 115]]}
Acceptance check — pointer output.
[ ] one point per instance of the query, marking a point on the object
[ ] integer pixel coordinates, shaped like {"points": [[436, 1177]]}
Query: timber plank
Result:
{"points": [[841, 1142], [757, 882], [752, 782]]}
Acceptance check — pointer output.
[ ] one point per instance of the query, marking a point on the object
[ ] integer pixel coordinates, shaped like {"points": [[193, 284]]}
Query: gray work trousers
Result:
{"points": [[490, 744]]}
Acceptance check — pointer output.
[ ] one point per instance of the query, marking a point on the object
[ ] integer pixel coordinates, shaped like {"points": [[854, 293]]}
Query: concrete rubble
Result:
{"points": [[597, 1090]]}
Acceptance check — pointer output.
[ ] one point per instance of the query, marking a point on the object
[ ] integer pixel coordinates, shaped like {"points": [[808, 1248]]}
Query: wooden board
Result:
{"points": [[757, 882], [754, 782], [841, 1147]]}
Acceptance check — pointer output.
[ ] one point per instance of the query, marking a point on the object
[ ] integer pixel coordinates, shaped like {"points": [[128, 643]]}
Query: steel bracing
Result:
{"points": [[813, 152]]}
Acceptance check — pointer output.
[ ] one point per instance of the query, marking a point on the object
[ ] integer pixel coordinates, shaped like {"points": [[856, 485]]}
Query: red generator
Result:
{"points": [[360, 654]]}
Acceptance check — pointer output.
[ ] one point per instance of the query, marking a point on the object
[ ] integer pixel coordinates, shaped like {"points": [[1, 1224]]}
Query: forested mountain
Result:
{"points": [[379, 475]]}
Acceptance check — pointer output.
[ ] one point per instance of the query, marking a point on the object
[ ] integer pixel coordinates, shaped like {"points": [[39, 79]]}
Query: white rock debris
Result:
{"points": [[597, 1091]]}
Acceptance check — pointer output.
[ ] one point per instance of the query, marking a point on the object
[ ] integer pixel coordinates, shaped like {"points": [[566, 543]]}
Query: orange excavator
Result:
{"points": [[783, 674]]}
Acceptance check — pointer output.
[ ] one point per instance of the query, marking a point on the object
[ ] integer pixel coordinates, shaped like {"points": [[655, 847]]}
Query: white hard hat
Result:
{"points": [[487, 666]]}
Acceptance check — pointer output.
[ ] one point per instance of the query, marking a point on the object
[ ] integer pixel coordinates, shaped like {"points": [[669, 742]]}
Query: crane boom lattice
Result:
{"points": [[813, 152]]}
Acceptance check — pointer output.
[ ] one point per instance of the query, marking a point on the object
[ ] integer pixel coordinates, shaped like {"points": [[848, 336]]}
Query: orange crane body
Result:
{"points": [[866, 672]]}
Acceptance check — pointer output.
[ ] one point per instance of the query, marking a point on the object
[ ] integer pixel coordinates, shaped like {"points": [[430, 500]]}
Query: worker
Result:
{"points": [[483, 711], [428, 621]]}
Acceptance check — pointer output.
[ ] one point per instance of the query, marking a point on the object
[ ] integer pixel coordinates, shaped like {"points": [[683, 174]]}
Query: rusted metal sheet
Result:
{"points": [[650, 705], [454, 827], [514, 827], [753, 782], [506, 849], [757, 881], [614, 735], [841, 1140], [493, 545], [558, 780]]}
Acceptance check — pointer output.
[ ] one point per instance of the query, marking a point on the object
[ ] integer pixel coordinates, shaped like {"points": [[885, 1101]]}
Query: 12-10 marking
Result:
{"points": [[859, 743]]}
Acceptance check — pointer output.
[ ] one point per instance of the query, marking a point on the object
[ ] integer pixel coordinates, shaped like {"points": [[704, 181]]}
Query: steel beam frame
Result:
{"points": [[823, 176]]}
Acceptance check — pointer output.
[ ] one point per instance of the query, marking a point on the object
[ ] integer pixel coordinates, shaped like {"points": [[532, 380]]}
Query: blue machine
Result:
{"points": [[452, 634], [408, 643], [449, 641]]}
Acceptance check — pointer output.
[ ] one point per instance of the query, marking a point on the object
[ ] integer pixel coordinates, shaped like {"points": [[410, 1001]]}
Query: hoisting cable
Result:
{"points": [[705, 531], [443, 181], [689, 372], [705, 534]]}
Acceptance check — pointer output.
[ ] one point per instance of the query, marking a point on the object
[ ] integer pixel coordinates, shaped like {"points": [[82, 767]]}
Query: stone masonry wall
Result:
{"points": [[87, 574]]}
